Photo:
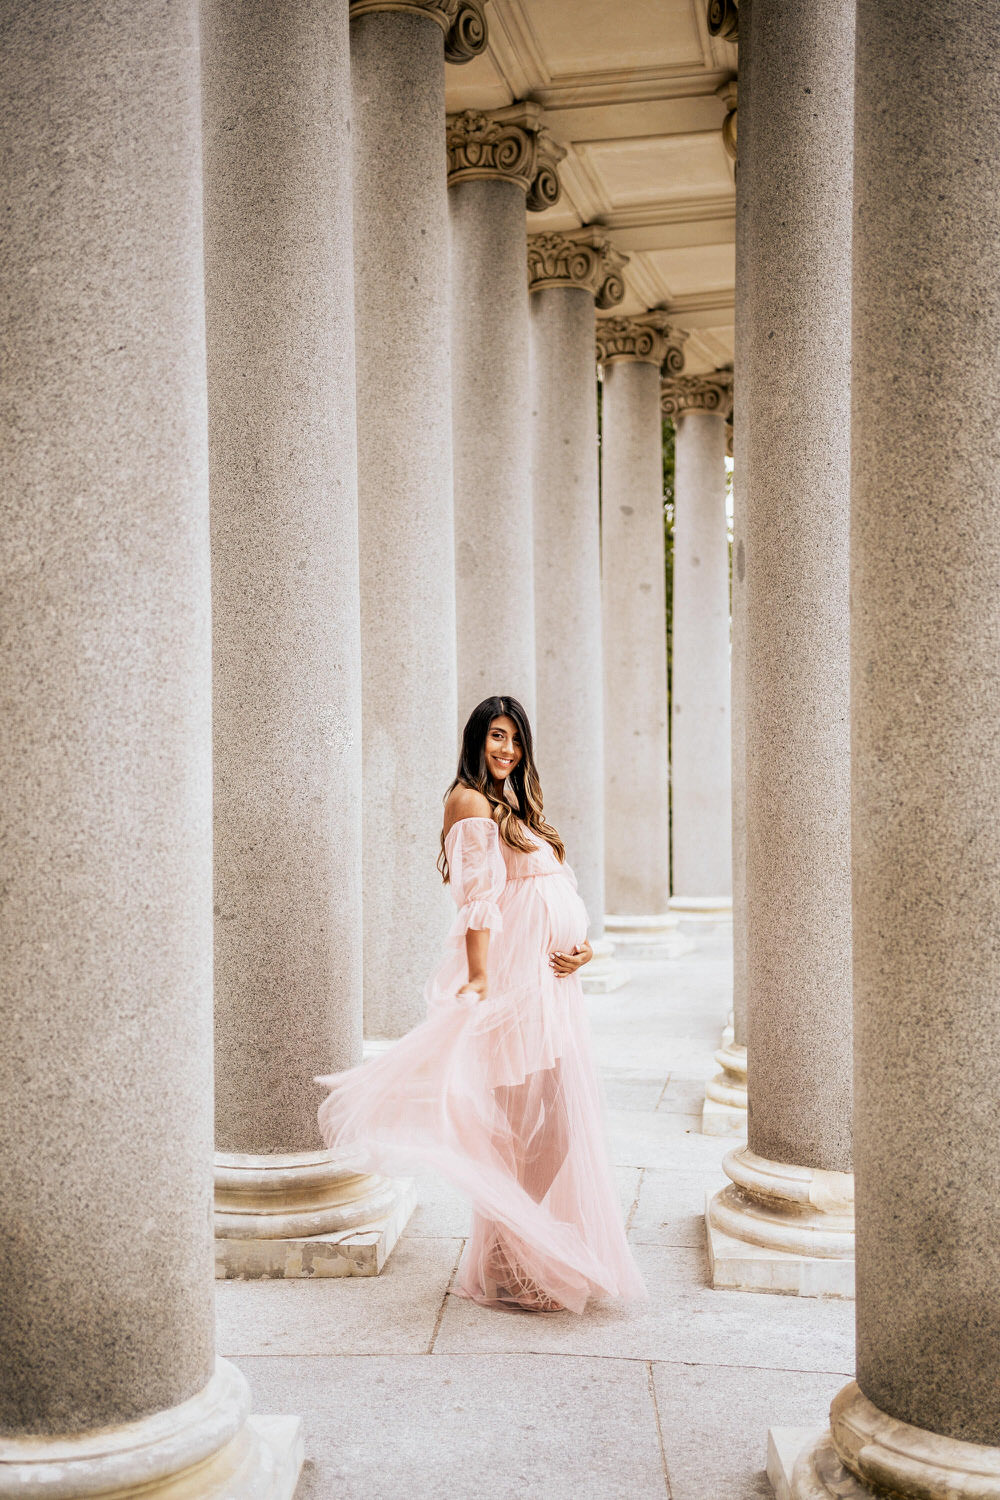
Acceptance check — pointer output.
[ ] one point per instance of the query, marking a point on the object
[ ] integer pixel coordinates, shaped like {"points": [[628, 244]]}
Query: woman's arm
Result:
{"points": [[476, 948], [466, 802]]}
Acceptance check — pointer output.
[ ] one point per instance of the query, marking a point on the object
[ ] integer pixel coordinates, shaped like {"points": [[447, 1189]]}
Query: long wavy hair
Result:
{"points": [[523, 783]]}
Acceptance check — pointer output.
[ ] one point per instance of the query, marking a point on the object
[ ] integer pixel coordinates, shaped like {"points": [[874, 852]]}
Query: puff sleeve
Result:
{"points": [[477, 875]]}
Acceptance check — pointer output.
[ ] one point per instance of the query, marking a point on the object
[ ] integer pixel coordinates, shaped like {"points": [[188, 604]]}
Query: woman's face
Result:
{"points": [[503, 748]]}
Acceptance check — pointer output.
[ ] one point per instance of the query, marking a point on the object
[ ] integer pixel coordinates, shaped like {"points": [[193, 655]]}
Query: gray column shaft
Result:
{"points": [[494, 570], [286, 622], [568, 581], [738, 590], [796, 408], [637, 832], [406, 518], [701, 795], [925, 581], [105, 798]]}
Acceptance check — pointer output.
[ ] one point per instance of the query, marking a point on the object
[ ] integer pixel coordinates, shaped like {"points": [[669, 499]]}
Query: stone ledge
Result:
{"points": [[282, 1436], [784, 1444], [735, 1265], [722, 1119], [362, 1251]]}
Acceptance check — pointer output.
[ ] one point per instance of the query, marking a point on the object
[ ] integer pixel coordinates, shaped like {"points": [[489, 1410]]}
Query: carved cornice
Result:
{"points": [[584, 258], [730, 94], [724, 19], [711, 393], [462, 21], [648, 338], [511, 144]]}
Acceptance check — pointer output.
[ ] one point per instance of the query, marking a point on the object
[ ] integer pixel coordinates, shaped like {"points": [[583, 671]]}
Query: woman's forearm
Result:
{"points": [[476, 948]]}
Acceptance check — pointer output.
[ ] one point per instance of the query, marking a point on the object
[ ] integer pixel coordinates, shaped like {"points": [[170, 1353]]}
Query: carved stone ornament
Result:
{"points": [[729, 92], [462, 21], [511, 144], [648, 338], [584, 258], [724, 19], [686, 393]]}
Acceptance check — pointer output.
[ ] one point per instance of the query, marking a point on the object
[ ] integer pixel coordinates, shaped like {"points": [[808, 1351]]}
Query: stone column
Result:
{"points": [[286, 634], [923, 1418], [108, 1379], [725, 1108], [406, 517], [700, 754], [567, 273], [496, 163], [786, 1223], [632, 352]]}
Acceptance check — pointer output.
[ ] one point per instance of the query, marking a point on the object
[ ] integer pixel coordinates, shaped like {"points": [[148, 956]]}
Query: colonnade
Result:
{"points": [[304, 463], [865, 587]]}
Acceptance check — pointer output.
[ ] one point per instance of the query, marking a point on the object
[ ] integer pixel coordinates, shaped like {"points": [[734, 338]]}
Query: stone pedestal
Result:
{"points": [[566, 275], [795, 143], [923, 1418], [725, 1109], [108, 1378], [700, 750], [286, 611], [406, 518], [496, 163], [631, 353], [779, 1228]]}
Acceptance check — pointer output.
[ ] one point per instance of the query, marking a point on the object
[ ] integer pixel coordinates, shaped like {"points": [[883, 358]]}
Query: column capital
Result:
{"points": [[729, 91], [511, 144], [724, 19], [462, 21], [648, 338], [585, 258], [711, 393]]}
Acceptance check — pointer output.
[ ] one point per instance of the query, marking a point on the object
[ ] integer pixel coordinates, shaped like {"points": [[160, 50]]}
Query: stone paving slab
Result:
{"points": [[669, 1142], [395, 1313], [671, 1207], [454, 1427], [684, 1320], [715, 1423]]}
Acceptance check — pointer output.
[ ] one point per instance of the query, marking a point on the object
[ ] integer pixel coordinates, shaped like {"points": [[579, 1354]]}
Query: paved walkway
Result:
{"points": [[409, 1394]]}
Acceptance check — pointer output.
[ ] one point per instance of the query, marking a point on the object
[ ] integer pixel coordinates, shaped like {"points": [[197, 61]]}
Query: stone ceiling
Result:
{"points": [[636, 92]]}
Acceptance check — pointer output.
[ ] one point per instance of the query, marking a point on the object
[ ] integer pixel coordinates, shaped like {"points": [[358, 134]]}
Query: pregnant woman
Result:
{"points": [[496, 1088]]}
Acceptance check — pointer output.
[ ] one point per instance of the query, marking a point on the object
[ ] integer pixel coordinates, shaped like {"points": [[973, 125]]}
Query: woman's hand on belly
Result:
{"points": [[562, 964]]}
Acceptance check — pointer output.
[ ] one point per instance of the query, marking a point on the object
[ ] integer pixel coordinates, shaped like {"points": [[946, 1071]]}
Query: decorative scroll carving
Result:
{"points": [[729, 92], [462, 21], [584, 258], [647, 338], [684, 393], [724, 19], [510, 143]]}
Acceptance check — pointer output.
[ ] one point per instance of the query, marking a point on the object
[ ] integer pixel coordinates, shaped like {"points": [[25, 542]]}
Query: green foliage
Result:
{"points": [[668, 552]]}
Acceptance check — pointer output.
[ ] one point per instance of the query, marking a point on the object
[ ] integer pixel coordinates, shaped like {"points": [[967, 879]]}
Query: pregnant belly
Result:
{"points": [[567, 915]]}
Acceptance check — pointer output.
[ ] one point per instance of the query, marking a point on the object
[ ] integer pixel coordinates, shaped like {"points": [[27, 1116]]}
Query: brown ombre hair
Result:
{"points": [[523, 781]]}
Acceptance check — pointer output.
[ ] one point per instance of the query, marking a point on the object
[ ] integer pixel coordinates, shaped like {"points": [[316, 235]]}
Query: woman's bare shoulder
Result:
{"points": [[465, 802]]}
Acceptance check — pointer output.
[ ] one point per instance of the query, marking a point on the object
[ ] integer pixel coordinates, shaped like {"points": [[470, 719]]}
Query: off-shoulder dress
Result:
{"points": [[500, 1095]]}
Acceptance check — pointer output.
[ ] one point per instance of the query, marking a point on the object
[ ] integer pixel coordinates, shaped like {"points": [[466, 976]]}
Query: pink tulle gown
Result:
{"points": [[500, 1095]]}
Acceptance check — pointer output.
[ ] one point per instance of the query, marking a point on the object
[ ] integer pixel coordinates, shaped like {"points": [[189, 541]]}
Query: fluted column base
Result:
{"points": [[865, 1452], [781, 1228], [304, 1215], [725, 1109], [657, 936], [702, 910], [208, 1448]]}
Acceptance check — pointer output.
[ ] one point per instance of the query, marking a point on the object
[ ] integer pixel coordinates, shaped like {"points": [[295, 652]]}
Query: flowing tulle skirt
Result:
{"points": [[500, 1097]]}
